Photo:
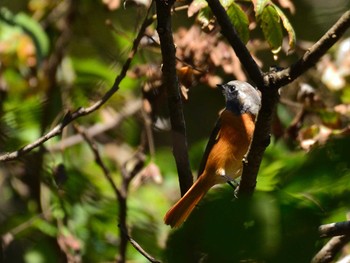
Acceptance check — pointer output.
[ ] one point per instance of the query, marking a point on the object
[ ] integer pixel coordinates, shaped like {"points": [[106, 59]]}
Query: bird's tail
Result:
{"points": [[183, 208]]}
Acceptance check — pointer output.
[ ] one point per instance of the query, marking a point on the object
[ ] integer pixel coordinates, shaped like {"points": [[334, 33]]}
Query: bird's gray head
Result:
{"points": [[241, 97]]}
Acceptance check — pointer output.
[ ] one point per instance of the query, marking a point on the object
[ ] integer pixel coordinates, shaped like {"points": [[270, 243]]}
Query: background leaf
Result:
{"points": [[240, 21], [270, 23]]}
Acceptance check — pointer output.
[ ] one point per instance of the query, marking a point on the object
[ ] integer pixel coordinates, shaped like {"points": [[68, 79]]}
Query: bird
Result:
{"points": [[228, 144]]}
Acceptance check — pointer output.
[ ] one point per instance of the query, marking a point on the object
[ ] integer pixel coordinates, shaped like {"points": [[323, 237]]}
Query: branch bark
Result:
{"points": [[171, 82], [331, 249], [335, 229], [340, 233], [230, 33]]}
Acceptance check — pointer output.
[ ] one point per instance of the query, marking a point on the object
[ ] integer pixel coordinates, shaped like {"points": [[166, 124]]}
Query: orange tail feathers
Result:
{"points": [[183, 208]]}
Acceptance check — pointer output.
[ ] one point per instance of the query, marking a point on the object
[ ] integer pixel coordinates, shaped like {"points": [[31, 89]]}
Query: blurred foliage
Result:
{"points": [[56, 204]]}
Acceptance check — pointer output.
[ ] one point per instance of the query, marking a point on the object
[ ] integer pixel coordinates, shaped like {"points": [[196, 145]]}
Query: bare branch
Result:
{"points": [[69, 117], [171, 82], [331, 249], [335, 229], [340, 233], [311, 56], [130, 109], [232, 37], [138, 247], [121, 192], [98, 159]]}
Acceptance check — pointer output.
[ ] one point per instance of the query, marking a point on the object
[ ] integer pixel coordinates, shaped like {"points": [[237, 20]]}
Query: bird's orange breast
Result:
{"points": [[234, 138]]}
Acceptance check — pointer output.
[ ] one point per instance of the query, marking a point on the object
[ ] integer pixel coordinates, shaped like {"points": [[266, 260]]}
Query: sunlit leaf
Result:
{"points": [[92, 69], [240, 21], [45, 227], [289, 28], [270, 23], [259, 6], [226, 3]]}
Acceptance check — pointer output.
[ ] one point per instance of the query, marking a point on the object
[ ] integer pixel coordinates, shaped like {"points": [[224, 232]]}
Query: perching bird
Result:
{"points": [[228, 144]]}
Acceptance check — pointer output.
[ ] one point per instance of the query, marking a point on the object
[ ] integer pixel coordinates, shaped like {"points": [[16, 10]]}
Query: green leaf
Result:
{"points": [[271, 27], [30, 27], [240, 21], [259, 6], [89, 69], [289, 28], [45, 227], [226, 3]]}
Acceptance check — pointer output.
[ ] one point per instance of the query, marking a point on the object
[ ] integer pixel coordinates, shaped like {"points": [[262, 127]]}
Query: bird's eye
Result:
{"points": [[232, 89]]}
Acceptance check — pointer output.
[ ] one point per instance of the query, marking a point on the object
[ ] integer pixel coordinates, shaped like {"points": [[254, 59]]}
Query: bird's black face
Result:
{"points": [[241, 97], [229, 91]]}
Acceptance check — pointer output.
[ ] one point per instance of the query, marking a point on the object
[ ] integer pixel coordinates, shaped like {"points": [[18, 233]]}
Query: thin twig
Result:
{"points": [[127, 175], [170, 80], [130, 109], [98, 159], [69, 117], [121, 193], [138, 247]]}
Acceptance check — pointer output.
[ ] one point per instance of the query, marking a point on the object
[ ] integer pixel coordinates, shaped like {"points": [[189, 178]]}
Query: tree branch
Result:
{"points": [[121, 192], [230, 33], [138, 247], [340, 233], [335, 229], [331, 249], [261, 140], [174, 98], [69, 117], [311, 56], [129, 109], [98, 159]]}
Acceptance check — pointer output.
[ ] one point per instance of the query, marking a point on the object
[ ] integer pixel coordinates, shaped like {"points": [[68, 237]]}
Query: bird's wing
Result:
{"points": [[214, 136]]}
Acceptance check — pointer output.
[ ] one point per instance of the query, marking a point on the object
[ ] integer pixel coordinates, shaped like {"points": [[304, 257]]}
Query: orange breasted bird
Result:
{"points": [[228, 144]]}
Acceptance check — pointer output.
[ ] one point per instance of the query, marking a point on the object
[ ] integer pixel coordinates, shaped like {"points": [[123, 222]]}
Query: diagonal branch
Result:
{"points": [[129, 109], [69, 117], [335, 229], [236, 43], [178, 127], [340, 237], [311, 56], [138, 247], [331, 249]]}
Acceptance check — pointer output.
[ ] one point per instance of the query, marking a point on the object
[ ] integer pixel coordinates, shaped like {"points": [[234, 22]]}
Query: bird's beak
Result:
{"points": [[220, 86]]}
